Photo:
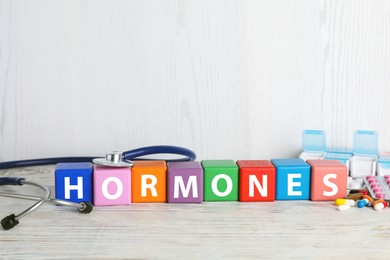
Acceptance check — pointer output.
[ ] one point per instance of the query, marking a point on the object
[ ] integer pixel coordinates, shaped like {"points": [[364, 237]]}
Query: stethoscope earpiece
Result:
{"points": [[9, 222]]}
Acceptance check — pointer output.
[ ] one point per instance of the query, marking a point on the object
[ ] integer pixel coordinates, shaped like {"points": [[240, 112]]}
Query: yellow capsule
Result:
{"points": [[349, 202]]}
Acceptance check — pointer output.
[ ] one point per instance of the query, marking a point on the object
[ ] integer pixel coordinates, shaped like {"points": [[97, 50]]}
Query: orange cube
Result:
{"points": [[148, 180]]}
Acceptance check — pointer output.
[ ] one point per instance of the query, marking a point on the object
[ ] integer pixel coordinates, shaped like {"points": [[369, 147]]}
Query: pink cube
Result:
{"points": [[111, 186], [328, 180]]}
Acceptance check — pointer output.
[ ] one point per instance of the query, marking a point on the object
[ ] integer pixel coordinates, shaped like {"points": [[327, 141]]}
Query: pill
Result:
{"points": [[343, 207], [379, 188], [368, 198], [349, 202], [370, 177], [364, 192], [379, 195], [375, 185], [377, 201], [362, 203], [380, 205], [355, 197]]}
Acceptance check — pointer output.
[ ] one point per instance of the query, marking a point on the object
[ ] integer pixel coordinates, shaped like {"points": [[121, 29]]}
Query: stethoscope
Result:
{"points": [[114, 159]]}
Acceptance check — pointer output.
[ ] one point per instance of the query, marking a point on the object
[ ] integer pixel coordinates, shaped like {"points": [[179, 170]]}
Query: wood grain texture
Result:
{"points": [[228, 79], [281, 229]]}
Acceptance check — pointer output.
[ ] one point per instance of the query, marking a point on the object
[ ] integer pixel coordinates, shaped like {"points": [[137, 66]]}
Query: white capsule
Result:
{"points": [[344, 207], [379, 206]]}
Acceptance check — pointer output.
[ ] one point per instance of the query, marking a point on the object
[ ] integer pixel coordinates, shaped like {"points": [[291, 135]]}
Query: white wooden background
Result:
{"points": [[228, 79]]}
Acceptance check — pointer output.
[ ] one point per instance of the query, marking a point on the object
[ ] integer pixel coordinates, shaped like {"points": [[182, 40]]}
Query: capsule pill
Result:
{"points": [[377, 201], [356, 196], [349, 202], [343, 207], [368, 198], [381, 205], [362, 203]]}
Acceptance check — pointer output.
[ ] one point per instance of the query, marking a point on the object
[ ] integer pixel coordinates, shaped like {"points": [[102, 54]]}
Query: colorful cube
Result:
{"points": [[292, 179], [257, 180], [112, 185], [185, 182], [220, 180], [73, 182], [328, 179], [149, 181]]}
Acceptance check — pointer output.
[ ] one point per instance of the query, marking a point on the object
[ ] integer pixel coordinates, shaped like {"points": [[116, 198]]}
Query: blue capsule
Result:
{"points": [[362, 203]]}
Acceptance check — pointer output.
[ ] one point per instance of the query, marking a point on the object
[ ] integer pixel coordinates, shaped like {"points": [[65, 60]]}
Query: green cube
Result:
{"points": [[220, 180]]}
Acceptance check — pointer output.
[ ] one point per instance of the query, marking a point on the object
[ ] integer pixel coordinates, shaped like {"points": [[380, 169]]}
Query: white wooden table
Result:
{"points": [[292, 229]]}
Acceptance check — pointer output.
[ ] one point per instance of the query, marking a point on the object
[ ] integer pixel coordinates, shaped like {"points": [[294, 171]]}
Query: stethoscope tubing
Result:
{"points": [[13, 219], [40, 200], [49, 200], [135, 154], [130, 155], [43, 161], [83, 207]]}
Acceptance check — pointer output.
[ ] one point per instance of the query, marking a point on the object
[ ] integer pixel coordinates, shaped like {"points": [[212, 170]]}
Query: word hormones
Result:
{"points": [[208, 180]]}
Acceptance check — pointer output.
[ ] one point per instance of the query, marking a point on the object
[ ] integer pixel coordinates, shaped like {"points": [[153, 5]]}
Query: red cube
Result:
{"points": [[256, 180]]}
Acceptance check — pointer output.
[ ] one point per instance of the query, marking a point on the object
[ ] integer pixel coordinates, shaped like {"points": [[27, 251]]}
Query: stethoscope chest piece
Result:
{"points": [[114, 159]]}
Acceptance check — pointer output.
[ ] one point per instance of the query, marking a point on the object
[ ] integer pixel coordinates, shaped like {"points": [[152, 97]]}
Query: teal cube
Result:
{"points": [[220, 180]]}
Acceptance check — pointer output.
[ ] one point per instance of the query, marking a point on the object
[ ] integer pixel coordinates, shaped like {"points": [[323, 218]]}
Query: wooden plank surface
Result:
{"points": [[281, 229]]}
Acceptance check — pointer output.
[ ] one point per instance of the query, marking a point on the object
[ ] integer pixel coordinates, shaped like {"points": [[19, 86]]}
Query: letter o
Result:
{"points": [[119, 190], [229, 187]]}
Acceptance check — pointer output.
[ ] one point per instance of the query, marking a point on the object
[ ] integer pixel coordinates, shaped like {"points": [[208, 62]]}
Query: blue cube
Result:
{"points": [[292, 179], [74, 182]]}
